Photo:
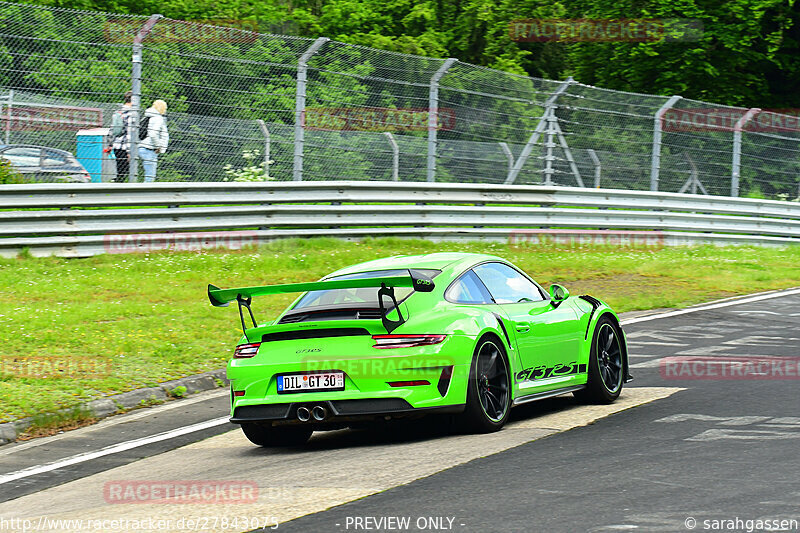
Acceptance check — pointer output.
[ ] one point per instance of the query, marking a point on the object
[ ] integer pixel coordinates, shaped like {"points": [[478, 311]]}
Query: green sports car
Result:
{"points": [[466, 334]]}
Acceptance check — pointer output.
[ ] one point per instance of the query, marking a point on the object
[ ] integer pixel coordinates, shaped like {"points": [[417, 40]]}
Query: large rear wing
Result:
{"points": [[385, 285]]}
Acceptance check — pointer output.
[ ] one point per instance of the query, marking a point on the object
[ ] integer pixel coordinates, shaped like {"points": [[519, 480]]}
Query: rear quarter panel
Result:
{"points": [[589, 316]]}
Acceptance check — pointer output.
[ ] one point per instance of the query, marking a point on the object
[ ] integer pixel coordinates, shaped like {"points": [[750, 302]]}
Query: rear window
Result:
{"points": [[366, 297]]}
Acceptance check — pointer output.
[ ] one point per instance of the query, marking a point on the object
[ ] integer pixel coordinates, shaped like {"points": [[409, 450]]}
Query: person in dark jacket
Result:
{"points": [[120, 130]]}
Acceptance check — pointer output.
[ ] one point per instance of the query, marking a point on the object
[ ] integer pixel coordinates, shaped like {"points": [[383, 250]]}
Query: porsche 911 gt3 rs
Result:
{"points": [[469, 335]]}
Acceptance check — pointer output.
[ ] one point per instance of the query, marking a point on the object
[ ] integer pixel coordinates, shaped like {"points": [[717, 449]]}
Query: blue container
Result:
{"points": [[90, 153]]}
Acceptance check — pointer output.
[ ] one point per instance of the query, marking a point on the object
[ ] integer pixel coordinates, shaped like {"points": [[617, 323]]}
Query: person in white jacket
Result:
{"points": [[157, 138]]}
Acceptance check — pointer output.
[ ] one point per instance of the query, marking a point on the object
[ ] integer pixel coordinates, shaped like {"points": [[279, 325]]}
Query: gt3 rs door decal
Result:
{"points": [[542, 375]]}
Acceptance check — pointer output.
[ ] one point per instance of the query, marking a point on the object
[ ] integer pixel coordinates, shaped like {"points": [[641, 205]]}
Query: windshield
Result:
{"points": [[366, 297]]}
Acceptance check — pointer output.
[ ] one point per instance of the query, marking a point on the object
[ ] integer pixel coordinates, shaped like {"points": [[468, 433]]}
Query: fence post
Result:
{"points": [[509, 155], [136, 97], [598, 169], [737, 148], [433, 115], [300, 106], [267, 146], [549, 145], [565, 147], [655, 160], [549, 107], [10, 115], [395, 156]]}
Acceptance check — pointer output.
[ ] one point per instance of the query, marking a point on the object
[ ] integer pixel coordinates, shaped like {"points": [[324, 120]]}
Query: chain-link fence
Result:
{"points": [[246, 106]]}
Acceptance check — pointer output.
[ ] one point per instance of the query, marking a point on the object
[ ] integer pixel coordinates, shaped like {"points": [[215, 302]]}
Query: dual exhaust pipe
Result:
{"points": [[318, 412]]}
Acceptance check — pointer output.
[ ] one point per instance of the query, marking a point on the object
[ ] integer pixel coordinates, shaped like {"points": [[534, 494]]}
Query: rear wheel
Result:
{"points": [[271, 437], [488, 389], [605, 365]]}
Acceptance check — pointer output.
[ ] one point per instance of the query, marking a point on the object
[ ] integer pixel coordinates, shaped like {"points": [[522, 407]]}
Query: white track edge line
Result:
{"points": [[709, 307], [108, 450], [112, 421]]}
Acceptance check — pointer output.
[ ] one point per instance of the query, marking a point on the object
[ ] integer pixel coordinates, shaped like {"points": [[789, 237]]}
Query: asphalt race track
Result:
{"points": [[708, 431]]}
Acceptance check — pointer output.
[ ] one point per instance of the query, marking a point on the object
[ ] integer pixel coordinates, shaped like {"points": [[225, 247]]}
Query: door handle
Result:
{"points": [[523, 329]]}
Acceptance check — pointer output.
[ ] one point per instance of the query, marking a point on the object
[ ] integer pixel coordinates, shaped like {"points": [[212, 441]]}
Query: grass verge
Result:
{"points": [[147, 320]]}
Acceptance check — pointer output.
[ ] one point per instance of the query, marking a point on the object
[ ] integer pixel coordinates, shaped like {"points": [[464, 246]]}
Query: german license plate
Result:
{"points": [[311, 382]]}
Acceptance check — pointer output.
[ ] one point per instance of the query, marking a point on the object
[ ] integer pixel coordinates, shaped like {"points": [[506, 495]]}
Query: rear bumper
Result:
{"points": [[337, 411], [371, 378]]}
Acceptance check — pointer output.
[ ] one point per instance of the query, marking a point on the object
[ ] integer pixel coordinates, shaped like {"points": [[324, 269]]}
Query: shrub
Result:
{"points": [[252, 172], [8, 174]]}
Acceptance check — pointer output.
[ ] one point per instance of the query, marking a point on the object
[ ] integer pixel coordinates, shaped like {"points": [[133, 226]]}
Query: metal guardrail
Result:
{"points": [[88, 219]]}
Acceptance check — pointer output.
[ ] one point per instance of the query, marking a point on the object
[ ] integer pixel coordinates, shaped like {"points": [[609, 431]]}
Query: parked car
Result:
{"points": [[40, 163]]}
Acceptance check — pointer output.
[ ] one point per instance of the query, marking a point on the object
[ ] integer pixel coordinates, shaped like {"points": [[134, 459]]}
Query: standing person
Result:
{"points": [[155, 140], [120, 123]]}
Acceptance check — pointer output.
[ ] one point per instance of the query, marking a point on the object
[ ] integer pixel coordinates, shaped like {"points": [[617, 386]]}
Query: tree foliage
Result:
{"points": [[748, 53]]}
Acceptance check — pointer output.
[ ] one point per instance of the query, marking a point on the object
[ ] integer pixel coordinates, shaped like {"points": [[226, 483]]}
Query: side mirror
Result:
{"points": [[558, 293]]}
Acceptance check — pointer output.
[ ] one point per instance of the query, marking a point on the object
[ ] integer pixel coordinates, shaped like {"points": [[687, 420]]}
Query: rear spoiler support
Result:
{"points": [[388, 323], [245, 302], [244, 295]]}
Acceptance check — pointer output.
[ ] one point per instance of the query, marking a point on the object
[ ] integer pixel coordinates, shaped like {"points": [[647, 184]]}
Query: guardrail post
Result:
{"points": [[737, 148], [136, 97], [395, 156], [267, 147], [433, 115], [300, 106], [655, 161], [549, 107], [597, 167]]}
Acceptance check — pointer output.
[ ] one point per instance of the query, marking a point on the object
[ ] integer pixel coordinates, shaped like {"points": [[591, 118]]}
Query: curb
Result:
{"points": [[110, 405]]}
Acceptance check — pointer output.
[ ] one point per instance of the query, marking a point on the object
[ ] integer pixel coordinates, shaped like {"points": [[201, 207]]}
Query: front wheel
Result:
{"points": [[488, 389], [274, 437], [605, 365]]}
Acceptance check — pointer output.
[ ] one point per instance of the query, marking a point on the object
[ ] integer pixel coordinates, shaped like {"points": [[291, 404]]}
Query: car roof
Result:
{"points": [[438, 261], [38, 147]]}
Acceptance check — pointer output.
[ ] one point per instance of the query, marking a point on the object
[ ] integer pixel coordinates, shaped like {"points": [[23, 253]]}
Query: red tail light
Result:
{"points": [[405, 341], [243, 351]]}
